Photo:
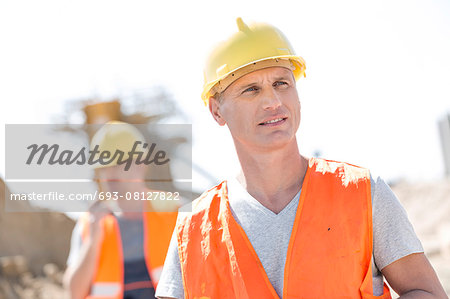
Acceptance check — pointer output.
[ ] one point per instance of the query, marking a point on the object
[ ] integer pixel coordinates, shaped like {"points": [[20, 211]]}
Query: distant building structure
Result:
{"points": [[444, 130]]}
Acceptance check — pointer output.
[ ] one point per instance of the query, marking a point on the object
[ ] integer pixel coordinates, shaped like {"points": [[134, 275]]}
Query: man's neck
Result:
{"points": [[130, 202], [273, 177]]}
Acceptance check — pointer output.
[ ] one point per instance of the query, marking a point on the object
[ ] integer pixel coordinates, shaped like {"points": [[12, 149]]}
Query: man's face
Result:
{"points": [[117, 179], [261, 109]]}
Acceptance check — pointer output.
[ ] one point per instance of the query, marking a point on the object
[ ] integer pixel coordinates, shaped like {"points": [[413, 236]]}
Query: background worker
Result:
{"points": [[287, 226], [118, 247]]}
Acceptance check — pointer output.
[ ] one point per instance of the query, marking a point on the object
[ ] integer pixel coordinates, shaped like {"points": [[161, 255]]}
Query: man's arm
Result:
{"points": [[413, 277], [78, 275], [170, 285]]}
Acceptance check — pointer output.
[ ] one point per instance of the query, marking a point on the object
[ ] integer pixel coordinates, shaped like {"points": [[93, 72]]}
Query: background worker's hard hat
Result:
{"points": [[253, 47], [114, 136]]}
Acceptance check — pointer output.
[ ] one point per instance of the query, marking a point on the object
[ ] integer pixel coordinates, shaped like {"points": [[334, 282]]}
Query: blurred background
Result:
{"points": [[376, 94]]}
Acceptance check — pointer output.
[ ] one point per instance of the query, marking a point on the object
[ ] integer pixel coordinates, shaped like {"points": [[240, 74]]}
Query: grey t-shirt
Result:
{"points": [[269, 234]]}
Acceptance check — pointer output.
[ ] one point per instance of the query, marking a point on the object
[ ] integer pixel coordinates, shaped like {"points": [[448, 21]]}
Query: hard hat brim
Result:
{"points": [[296, 64]]}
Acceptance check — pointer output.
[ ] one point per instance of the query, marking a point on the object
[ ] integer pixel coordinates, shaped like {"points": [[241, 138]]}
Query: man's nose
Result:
{"points": [[270, 99]]}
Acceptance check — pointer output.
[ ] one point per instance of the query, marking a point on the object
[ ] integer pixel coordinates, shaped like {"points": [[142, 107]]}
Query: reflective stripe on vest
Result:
{"points": [[156, 273], [158, 228], [105, 289], [329, 252]]}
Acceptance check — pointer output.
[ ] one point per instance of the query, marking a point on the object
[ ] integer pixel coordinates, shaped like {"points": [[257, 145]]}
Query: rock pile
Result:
{"points": [[34, 247]]}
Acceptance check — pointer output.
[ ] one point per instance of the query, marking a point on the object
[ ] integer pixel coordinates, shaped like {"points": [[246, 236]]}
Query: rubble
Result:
{"points": [[34, 247]]}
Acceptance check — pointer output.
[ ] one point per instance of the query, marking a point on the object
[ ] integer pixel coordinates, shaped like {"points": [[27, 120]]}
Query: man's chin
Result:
{"points": [[274, 143]]}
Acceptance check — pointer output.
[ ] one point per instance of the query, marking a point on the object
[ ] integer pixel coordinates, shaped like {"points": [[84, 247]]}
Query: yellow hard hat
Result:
{"points": [[113, 136], [252, 48]]}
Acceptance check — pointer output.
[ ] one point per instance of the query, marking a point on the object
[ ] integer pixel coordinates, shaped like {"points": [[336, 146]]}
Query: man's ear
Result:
{"points": [[214, 108]]}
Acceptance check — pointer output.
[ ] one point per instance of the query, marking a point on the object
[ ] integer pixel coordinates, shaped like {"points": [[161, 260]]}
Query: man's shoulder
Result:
{"points": [[203, 203], [205, 200], [345, 171], [328, 164]]}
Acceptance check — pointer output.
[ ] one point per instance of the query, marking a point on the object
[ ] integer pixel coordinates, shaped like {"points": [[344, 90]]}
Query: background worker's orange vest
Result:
{"points": [[108, 280], [329, 253]]}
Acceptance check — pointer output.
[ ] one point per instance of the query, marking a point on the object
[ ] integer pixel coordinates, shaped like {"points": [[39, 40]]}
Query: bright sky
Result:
{"points": [[378, 72]]}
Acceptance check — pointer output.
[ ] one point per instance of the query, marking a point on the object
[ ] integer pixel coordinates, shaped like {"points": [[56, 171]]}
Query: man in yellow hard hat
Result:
{"points": [[287, 226], [118, 247]]}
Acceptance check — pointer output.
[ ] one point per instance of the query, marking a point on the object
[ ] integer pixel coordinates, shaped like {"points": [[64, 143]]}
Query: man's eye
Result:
{"points": [[279, 83], [250, 89]]}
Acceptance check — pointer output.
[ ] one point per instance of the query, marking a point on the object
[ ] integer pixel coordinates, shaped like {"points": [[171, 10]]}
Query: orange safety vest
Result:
{"points": [[329, 253], [108, 280]]}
